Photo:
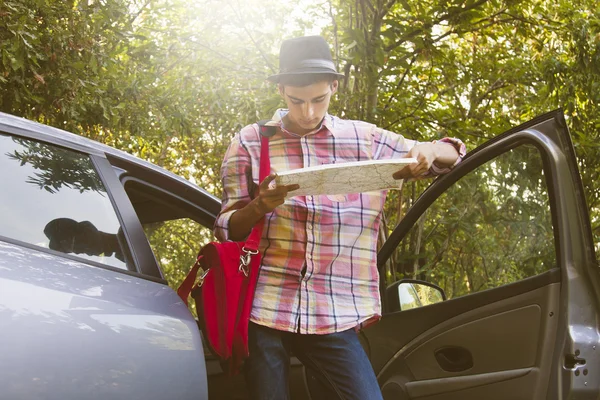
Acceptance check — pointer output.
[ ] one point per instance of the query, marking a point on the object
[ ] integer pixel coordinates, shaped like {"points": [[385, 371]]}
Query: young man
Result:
{"points": [[318, 280]]}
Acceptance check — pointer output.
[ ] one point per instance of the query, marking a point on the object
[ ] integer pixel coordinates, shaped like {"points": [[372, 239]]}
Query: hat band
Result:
{"points": [[311, 64]]}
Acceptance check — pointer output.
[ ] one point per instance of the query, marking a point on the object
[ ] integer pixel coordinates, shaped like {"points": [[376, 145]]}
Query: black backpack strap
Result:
{"points": [[266, 130]]}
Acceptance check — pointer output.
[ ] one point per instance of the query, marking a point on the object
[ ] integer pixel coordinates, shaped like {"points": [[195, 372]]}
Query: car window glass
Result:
{"points": [[175, 244], [491, 228], [53, 198]]}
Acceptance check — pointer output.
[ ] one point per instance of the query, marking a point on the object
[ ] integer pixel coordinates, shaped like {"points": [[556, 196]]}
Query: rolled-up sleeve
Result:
{"points": [[236, 178], [461, 149]]}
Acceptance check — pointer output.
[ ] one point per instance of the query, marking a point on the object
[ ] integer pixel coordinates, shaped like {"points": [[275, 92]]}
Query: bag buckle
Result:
{"points": [[245, 259], [201, 278]]}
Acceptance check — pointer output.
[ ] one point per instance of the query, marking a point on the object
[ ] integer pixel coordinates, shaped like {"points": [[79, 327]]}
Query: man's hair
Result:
{"points": [[306, 79]]}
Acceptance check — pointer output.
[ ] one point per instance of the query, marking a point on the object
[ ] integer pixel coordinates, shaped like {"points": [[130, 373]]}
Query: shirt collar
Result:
{"points": [[277, 120]]}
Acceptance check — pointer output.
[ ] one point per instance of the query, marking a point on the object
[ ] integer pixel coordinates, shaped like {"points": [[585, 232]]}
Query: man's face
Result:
{"points": [[307, 105]]}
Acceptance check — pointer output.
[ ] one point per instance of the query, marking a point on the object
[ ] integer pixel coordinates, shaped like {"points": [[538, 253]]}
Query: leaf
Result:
{"points": [[93, 64], [39, 78]]}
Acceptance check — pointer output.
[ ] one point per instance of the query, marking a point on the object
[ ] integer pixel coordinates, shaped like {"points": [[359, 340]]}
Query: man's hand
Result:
{"points": [[269, 198], [425, 154], [441, 153]]}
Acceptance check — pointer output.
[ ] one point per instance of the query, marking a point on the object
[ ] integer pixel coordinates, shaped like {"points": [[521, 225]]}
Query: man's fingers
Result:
{"points": [[411, 171], [267, 181], [279, 191], [266, 184], [419, 166], [424, 161], [419, 170], [402, 174]]}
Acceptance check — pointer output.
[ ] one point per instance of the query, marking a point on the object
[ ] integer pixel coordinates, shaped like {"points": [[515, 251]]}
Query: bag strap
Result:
{"points": [[251, 246], [265, 132]]}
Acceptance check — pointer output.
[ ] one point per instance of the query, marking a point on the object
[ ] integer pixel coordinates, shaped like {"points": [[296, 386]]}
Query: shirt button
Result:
{"points": [[309, 198], [309, 226]]}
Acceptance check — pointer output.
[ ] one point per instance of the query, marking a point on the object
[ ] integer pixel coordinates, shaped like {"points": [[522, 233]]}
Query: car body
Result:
{"points": [[86, 312]]}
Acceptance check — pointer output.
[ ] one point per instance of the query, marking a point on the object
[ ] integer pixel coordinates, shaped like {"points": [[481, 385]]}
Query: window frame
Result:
{"points": [[98, 162], [522, 135], [545, 209], [141, 253], [189, 209]]}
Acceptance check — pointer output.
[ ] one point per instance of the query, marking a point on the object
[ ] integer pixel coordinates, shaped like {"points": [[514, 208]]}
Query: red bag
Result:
{"points": [[225, 291]]}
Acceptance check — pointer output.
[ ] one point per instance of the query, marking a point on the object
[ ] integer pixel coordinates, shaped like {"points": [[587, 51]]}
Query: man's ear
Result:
{"points": [[281, 89], [334, 86]]}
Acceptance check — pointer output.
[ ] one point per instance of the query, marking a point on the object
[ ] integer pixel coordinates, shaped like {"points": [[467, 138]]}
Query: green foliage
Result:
{"points": [[472, 69], [56, 167], [491, 228], [172, 80], [175, 244]]}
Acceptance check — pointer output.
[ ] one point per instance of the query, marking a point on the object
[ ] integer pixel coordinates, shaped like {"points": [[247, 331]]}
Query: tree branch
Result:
{"points": [[335, 36], [406, 71], [137, 14], [429, 25], [369, 5], [262, 53]]}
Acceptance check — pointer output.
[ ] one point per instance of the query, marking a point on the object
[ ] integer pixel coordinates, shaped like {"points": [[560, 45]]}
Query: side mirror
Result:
{"points": [[409, 293]]}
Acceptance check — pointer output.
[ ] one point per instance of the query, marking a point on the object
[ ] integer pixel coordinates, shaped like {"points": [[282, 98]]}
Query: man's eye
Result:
{"points": [[297, 102], [319, 100]]}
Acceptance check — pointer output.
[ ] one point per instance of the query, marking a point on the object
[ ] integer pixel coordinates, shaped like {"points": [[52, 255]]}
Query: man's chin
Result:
{"points": [[302, 127], [311, 125], [308, 128]]}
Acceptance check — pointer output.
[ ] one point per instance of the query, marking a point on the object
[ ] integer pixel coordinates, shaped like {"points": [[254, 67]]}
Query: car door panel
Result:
{"points": [[440, 356], [501, 386], [516, 351], [91, 332], [524, 340], [396, 330]]}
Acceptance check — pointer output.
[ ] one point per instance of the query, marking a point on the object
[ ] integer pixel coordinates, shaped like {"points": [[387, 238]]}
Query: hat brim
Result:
{"points": [[275, 78]]}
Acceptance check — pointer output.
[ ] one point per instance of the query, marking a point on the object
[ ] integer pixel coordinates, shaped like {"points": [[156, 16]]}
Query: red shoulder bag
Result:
{"points": [[225, 291]]}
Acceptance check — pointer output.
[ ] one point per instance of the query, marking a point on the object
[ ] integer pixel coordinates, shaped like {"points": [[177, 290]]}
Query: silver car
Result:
{"points": [[497, 298]]}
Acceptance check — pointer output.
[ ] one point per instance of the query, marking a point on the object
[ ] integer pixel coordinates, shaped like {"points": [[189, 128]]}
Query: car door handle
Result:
{"points": [[454, 358]]}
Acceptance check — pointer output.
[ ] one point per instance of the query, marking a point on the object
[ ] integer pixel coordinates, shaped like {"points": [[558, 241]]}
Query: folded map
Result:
{"points": [[344, 178]]}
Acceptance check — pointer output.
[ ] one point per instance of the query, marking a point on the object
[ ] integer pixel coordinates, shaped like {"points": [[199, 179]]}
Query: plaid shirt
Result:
{"points": [[319, 273]]}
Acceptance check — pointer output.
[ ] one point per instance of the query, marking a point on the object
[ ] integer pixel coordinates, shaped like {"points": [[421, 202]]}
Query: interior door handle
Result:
{"points": [[454, 358]]}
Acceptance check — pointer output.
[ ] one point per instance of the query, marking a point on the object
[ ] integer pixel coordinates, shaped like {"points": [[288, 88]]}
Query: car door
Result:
{"points": [[507, 235], [83, 315]]}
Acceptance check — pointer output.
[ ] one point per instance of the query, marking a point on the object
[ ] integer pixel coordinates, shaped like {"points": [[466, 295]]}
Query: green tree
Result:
{"points": [[471, 69], [172, 81]]}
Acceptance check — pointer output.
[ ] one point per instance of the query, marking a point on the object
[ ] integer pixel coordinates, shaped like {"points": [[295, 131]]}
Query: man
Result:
{"points": [[318, 281]]}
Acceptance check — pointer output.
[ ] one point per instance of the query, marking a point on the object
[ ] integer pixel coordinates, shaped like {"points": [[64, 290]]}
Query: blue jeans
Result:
{"points": [[337, 360]]}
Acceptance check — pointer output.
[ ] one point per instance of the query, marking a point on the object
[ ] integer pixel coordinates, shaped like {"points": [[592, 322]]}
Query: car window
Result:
{"points": [[175, 229], [53, 198], [175, 244], [491, 228]]}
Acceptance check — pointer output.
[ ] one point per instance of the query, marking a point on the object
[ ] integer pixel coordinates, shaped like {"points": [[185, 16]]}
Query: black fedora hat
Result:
{"points": [[303, 56]]}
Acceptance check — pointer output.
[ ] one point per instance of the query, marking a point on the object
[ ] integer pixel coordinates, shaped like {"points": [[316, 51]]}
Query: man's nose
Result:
{"points": [[308, 111]]}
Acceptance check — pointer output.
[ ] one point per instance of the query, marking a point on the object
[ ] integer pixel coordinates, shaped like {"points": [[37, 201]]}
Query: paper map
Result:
{"points": [[350, 177]]}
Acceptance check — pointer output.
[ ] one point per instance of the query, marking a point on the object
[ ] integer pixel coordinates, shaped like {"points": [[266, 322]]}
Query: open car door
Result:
{"points": [[507, 235]]}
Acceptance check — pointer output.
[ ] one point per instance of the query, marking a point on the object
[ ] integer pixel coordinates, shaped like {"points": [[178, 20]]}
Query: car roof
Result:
{"points": [[24, 127]]}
